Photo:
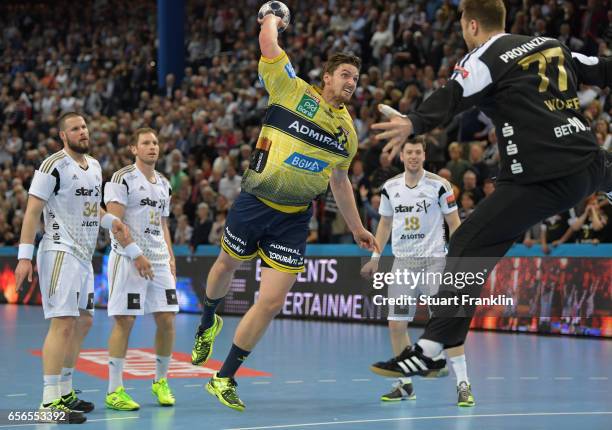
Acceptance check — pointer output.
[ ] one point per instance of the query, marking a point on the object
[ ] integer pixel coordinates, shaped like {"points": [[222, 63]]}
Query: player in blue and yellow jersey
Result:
{"points": [[306, 143]]}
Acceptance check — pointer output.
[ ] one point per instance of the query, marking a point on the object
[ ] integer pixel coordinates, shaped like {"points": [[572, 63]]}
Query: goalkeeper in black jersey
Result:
{"points": [[550, 159]]}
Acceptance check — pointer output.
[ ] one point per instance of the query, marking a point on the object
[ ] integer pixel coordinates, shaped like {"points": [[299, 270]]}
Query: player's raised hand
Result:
{"points": [[143, 265], [366, 240], [396, 130], [23, 271], [368, 269]]}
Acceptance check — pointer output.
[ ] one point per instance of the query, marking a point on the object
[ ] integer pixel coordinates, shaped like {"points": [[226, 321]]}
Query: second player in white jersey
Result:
{"points": [[146, 205], [418, 214]]}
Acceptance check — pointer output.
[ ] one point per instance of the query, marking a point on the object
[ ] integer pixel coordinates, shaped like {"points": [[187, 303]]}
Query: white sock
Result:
{"points": [[405, 381], [161, 366], [430, 348], [460, 368], [115, 373], [66, 380], [51, 388]]}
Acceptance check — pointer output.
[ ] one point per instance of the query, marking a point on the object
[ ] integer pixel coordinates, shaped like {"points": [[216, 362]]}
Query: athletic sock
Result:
{"points": [[161, 366], [66, 381], [115, 373], [234, 360], [460, 368], [51, 389], [430, 348], [208, 314]]}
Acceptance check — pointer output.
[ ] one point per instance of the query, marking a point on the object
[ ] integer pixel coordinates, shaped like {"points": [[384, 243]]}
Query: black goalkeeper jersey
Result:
{"points": [[527, 85]]}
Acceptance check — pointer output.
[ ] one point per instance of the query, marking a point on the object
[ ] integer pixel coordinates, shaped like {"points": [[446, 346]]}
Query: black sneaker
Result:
{"points": [[400, 392], [410, 362], [56, 412], [72, 402]]}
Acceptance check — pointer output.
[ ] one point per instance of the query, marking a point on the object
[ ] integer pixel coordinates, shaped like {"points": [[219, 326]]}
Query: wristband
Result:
{"points": [[107, 221], [375, 255], [26, 251], [133, 251]]}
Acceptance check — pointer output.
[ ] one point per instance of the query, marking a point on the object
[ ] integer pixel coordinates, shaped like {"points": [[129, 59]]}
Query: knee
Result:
{"points": [[165, 321], [125, 322], [85, 322], [271, 306], [64, 327], [226, 264]]}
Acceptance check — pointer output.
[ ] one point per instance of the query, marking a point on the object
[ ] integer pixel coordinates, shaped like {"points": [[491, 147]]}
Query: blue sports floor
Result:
{"points": [[320, 380]]}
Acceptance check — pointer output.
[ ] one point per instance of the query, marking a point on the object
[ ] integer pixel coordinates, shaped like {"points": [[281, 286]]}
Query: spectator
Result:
{"points": [[202, 228], [229, 185], [456, 165]]}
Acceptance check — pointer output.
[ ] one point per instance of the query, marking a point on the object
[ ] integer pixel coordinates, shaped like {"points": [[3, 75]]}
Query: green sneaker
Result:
{"points": [[57, 412], [225, 390], [465, 397], [119, 400], [162, 391], [203, 345]]}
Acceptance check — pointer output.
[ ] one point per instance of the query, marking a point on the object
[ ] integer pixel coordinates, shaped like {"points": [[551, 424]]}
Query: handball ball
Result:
{"points": [[277, 8]]}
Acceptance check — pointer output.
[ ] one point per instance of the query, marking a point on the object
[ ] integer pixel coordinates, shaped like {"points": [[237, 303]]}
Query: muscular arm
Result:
{"points": [[383, 231], [268, 37], [453, 221], [31, 219], [345, 199]]}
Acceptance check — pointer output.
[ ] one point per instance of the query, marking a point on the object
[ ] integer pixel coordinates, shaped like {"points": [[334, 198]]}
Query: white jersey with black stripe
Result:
{"points": [[73, 196], [418, 214], [145, 203]]}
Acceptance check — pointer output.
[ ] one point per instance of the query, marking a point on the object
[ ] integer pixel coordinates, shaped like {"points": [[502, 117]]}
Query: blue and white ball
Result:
{"points": [[277, 8]]}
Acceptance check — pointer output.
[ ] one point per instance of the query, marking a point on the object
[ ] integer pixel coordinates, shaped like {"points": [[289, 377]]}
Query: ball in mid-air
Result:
{"points": [[277, 8]]}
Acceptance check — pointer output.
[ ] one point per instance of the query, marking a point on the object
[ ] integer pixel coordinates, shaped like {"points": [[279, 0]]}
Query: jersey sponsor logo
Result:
{"points": [[308, 106], [290, 71], [313, 95], [403, 209], [291, 123], [286, 259], [461, 70], [413, 236], [87, 192], [519, 51], [148, 202], [304, 162], [89, 224], [559, 104], [574, 125], [516, 167], [75, 177], [421, 206], [450, 201]]}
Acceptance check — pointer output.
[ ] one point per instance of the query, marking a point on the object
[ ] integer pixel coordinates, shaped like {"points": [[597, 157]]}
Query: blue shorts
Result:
{"points": [[253, 228]]}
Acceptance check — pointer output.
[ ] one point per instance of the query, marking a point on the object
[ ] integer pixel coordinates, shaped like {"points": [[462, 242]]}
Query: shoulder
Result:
{"points": [[122, 174], [93, 161], [162, 178], [438, 181], [51, 162], [394, 182]]}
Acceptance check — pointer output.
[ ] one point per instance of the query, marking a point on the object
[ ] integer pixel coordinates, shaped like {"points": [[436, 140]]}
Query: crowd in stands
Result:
{"points": [[99, 57]]}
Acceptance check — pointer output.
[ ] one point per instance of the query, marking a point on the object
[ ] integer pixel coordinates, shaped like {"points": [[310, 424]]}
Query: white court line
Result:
{"points": [[529, 378], [598, 378], [261, 382], [361, 380], [95, 390], [496, 378], [17, 395], [563, 378], [89, 421], [130, 389], [443, 417], [294, 382], [326, 380], [192, 385]]}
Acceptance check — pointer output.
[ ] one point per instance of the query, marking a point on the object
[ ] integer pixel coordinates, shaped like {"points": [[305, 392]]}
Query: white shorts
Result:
{"points": [[131, 294], [426, 285], [66, 284]]}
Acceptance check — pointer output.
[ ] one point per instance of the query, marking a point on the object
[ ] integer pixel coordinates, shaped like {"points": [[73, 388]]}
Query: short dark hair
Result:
{"points": [[418, 140], [335, 60], [491, 14], [66, 116], [138, 132]]}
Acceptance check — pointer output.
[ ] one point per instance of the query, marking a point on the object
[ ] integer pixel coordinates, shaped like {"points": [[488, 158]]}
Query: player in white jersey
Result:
{"points": [[67, 190], [141, 276], [413, 208]]}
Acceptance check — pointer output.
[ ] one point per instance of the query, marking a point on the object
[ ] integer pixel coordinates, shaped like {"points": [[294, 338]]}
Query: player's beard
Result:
{"points": [[80, 147], [148, 161]]}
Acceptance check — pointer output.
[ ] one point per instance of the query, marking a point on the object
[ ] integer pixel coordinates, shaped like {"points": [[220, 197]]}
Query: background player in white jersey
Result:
{"points": [[67, 189], [413, 207], [141, 276]]}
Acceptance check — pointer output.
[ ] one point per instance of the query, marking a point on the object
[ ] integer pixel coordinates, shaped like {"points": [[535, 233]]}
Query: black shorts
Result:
{"points": [[253, 228]]}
